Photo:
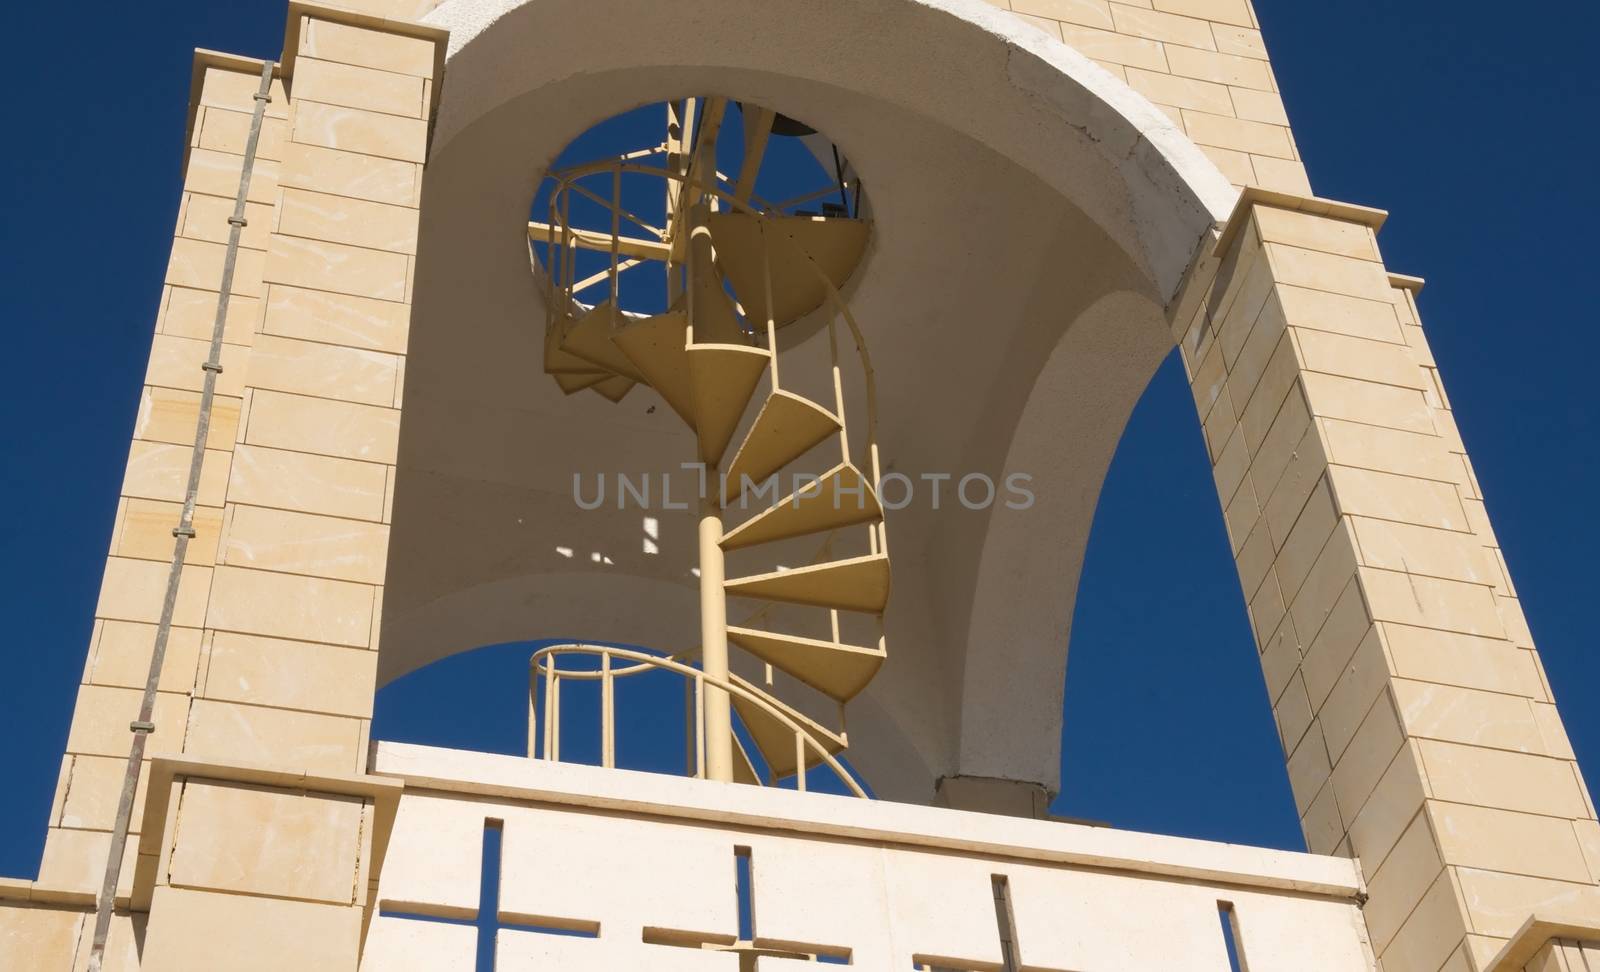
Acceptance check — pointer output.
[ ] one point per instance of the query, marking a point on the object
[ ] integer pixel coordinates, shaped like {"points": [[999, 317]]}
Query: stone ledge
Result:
{"points": [[165, 771], [1254, 196], [1536, 933], [816, 814]]}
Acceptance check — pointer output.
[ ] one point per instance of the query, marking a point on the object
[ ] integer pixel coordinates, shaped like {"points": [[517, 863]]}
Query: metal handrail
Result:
{"points": [[544, 666]]}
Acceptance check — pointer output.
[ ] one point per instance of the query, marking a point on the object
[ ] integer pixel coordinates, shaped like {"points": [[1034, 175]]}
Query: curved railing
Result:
{"points": [[544, 728]]}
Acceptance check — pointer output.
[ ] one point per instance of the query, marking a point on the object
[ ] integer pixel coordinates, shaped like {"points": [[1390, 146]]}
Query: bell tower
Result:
{"points": [[421, 307]]}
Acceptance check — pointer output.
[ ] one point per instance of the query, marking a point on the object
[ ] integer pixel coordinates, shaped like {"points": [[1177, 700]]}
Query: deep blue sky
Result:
{"points": [[1472, 122]]}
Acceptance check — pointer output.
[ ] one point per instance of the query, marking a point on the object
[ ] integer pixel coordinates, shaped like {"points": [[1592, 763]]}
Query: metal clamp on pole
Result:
{"points": [[137, 726], [211, 366]]}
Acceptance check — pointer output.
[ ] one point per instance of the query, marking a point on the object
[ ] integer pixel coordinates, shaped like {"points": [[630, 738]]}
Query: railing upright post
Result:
{"points": [[608, 714]]}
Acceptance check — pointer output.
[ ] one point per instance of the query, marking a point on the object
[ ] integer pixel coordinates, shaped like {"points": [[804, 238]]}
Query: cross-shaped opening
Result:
{"points": [[489, 921]]}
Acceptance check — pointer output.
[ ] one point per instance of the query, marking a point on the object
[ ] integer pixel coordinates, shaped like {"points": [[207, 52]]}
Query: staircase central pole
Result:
{"points": [[718, 726]]}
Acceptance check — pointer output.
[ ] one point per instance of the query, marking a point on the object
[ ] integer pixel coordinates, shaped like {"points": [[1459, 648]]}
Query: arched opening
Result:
{"points": [[1033, 218]]}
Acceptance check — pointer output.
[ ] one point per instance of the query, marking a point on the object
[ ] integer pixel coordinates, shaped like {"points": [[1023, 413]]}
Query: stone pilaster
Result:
{"points": [[1419, 732]]}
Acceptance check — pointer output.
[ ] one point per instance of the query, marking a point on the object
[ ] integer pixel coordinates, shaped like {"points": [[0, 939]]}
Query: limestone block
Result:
{"points": [[175, 362], [1453, 714], [133, 590], [1306, 469], [1405, 877], [172, 415], [38, 938], [281, 605], [1323, 587], [1445, 554], [1239, 41], [1396, 451], [94, 788], [351, 86], [340, 219], [193, 314], [1284, 932], [1264, 398], [351, 174], [1167, 89], [1500, 840], [1376, 826], [1223, 11], [1156, 25], [389, 9], [1284, 435], [1368, 755], [1171, 927], [1314, 269], [120, 656], [1510, 781], [218, 173], [1362, 317], [206, 218], [355, 322], [122, 944], [366, 132], [198, 265], [1265, 341], [626, 874], [1448, 658], [446, 881], [75, 860], [312, 484], [1434, 930], [323, 370], [256, 934], [347, 44], [1260, 106], [1500, 902], [1348, 704], [102, 714], [1105, 45], [1309, 769], [1239, 72], [144, 532], [263, 841], [337, 268], [1342, 632], [1306, 539], [236, 90], [408, 945], [1353, 357], [328, 428], [290, 675], [1089, 13], [1428, 602], [1238, 134], [1281, 175], [222, 130], [314, 743], [1403, 499], [303, 543], [1369, 403], [1313, 232]]}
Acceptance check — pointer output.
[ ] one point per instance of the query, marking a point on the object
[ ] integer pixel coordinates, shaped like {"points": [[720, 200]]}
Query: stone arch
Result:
{"points": [[1034, 216]]}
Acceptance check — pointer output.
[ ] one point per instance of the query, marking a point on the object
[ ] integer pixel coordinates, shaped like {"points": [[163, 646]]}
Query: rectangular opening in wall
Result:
{"points": [[742, 885], [1230, 936]]}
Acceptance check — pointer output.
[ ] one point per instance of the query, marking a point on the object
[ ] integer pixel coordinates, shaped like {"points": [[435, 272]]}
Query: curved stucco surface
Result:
{"points": [[1032, 217]]}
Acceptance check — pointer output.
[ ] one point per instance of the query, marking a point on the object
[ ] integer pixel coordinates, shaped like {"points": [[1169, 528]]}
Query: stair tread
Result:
{"points": [[855, 584], [773, 739], [837, 670], [656, 347], [576, 381], [558, 361], [615, 388], [724, 377], [842, 498], [801, 245], [590, 340], [787, 428]]}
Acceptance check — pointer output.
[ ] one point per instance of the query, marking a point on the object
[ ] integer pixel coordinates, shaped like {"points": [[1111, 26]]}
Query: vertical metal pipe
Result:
{"points": [[718, 722]]}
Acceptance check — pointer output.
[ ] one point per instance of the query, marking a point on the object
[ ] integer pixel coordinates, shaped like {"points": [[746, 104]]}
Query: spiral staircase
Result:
{"points": [[738, 269]]}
